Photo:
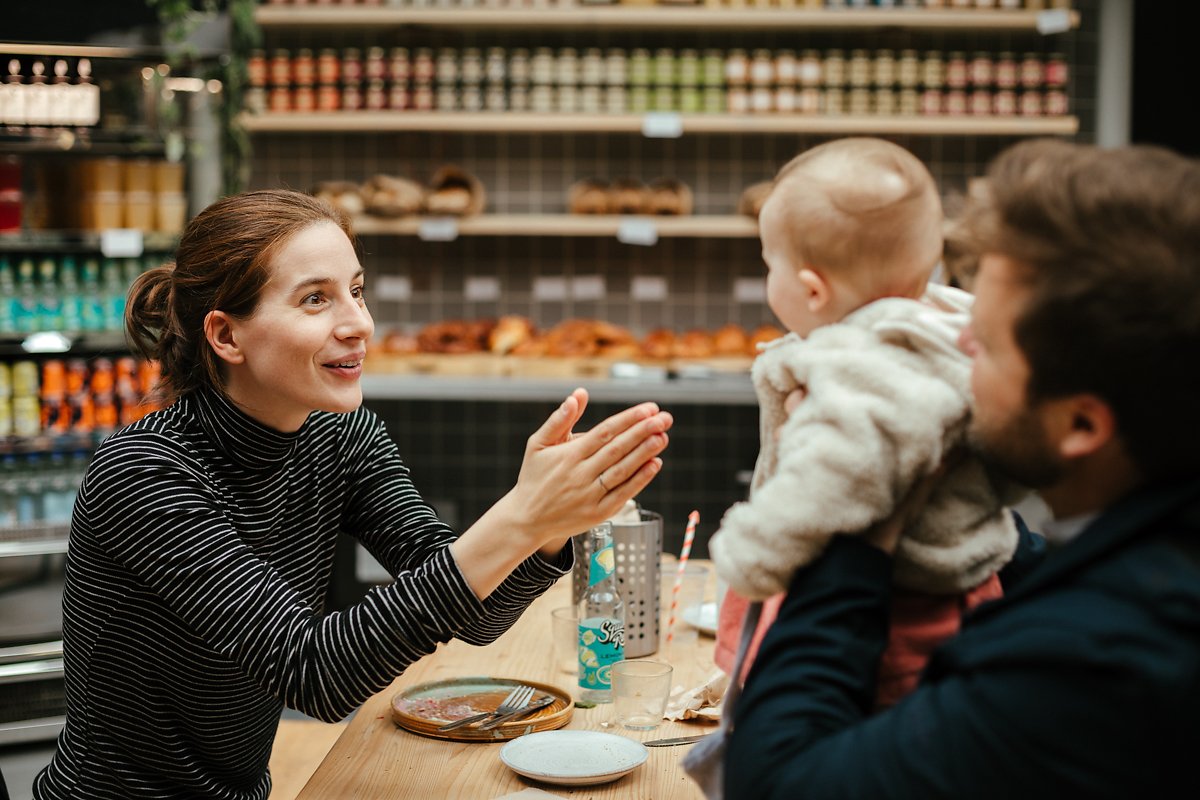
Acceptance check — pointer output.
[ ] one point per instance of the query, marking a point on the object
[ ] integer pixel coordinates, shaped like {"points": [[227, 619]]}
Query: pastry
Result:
{"points": [[386, 196], [731, 340], [761, 335], [669, 197], [510, 332], [751, 202], [694, 344], [452, 336], [454, 192], [342, 195], [659, 343], [400, 343], [627, 196], [588, 196]]}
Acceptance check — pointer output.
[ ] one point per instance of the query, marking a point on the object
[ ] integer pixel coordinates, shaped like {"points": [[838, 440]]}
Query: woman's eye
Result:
{"points": [[359, 292], [313, 299]]}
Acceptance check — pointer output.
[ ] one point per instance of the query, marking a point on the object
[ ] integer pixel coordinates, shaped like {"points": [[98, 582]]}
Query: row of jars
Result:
{"points": [[642, 99], [978, 4], [665, 68], [343, 81]]}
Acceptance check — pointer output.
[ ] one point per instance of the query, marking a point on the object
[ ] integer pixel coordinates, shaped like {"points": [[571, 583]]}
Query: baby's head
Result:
{"points": [[848, 222]]}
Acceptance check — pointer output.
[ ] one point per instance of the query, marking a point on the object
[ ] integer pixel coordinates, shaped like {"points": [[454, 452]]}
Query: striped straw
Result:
{"points": [[688, 536]]}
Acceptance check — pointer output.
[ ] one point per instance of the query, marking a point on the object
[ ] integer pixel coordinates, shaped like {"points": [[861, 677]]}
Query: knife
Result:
{"points": [[496, 722], [679, 740]]}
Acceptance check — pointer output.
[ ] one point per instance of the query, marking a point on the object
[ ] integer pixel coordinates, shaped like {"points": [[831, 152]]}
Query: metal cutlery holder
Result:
{"points": [[638, 569]]}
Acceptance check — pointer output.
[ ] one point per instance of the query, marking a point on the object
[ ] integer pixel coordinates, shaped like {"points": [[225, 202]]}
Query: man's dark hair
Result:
{"points": [[1111, 240]]}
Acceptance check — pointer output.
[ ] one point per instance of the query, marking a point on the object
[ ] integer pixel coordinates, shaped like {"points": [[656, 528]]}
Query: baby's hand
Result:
{"points": [[791, 403]]}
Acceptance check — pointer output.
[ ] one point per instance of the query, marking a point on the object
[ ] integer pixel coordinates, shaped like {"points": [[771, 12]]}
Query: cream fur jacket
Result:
{"points": [[887, 398]]}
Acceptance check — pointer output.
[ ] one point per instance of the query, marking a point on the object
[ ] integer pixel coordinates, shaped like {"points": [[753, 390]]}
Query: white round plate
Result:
{"points": [[573, 758], [702, 617]]}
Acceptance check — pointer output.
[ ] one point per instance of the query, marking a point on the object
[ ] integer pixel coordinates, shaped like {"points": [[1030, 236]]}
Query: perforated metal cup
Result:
{"points": [[638, 569]]}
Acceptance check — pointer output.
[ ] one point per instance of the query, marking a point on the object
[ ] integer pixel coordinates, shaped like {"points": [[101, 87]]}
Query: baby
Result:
{"points": [[851, 233]]}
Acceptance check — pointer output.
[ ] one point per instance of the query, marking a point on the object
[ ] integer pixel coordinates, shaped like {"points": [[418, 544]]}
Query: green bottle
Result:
{"points": [[112, 289], [26, 307], [49, 305], [8, 298], [72, 297], [92, 312]]}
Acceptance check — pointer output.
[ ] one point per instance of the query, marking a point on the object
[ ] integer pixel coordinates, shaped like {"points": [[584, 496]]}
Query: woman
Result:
{"points": [[203, 538]]}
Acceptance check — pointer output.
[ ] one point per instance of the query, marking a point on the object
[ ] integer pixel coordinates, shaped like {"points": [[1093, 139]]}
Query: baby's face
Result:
{"points": [[787, 295]]}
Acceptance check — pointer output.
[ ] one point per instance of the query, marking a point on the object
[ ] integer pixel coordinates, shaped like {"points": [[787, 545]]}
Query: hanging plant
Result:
{"points": [[179, 18]]}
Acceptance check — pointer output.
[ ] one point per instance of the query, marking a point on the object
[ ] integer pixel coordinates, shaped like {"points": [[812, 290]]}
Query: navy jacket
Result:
{"points": [[1083, 681]]}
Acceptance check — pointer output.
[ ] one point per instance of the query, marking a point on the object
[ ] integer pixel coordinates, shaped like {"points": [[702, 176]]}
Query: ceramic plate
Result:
{"points": [[702, 617], [573, 758], [426, 706]]}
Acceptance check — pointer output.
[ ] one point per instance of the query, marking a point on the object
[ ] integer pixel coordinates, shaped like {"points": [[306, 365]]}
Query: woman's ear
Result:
{"points": [[820, 293], [218, 330]]}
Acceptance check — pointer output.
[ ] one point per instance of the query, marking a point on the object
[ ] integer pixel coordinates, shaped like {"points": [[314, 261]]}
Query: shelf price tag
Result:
{"points": [[482, 288], [438, 229], [588, 287], [647, 288], [750, 290], [632, 230], [392, 287], [121, 243], [1054, 20], [550, 288], [662, 125]]}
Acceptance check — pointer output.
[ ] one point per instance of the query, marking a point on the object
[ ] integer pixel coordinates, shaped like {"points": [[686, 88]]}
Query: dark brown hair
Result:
{"points": [[1111, 239], [222, 263]]}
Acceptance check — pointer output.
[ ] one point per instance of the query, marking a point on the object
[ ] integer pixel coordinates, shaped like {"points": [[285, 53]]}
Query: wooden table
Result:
{"points": [[373, 758]]}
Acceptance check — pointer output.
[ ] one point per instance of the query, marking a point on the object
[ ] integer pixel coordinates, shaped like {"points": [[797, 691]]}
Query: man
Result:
{"points": [[1084, 680]]}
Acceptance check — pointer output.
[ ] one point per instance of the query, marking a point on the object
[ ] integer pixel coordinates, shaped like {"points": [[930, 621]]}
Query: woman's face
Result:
{"points": [[304, 345]]}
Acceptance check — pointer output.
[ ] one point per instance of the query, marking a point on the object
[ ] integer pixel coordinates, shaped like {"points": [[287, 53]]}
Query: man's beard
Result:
{"points": [[1018, 449]]}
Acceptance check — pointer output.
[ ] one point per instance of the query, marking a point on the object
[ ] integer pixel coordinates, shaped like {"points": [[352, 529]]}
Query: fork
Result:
{"points": [[517, 699], [500, 719]]}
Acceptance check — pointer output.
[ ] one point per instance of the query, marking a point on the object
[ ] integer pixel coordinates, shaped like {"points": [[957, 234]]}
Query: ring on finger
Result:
{"points": [[600, 478]]}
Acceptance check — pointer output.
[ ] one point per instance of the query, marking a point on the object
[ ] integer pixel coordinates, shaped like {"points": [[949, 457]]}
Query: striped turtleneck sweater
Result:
{"points": [[201, 549]]}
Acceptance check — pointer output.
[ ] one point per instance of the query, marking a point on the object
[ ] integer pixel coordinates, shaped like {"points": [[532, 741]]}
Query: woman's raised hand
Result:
{"points": [[571, 481]]}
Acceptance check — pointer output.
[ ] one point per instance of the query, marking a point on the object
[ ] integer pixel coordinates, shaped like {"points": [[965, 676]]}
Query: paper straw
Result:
{"points": [[688, 536]]}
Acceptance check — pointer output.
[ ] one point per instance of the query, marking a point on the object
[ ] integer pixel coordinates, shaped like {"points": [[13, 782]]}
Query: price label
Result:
{"points": [[121, 243], [588, 287], [438, 229], [1054, 20], [392, 287], [750, 290], [633, 230], [662, 125], [648, 288], [482, 288], [552, 288]]}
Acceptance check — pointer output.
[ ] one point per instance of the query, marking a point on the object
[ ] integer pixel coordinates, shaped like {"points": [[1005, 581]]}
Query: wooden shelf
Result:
{"points": [[716, 227], [617, 18], [732, 390], [514, 122]]}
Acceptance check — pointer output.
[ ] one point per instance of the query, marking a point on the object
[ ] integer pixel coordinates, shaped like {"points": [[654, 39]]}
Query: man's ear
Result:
{"points": [[820, 293], [1087, 425], [219, 331]]}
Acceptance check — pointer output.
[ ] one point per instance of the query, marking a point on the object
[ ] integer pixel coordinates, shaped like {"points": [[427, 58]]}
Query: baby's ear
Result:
{"points": [[820, 293]]}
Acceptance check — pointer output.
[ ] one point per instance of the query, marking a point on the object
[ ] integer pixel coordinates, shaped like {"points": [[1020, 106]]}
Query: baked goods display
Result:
{"points": [[660, 197], [751, 201], [452, 191], [513, 344]]}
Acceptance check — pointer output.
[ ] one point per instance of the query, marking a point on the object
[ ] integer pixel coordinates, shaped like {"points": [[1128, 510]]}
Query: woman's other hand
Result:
{"points": [[568, 483], [571, 481]]}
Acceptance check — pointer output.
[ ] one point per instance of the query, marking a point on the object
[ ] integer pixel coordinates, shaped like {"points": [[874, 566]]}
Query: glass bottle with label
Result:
{"points": [[601, 620]]}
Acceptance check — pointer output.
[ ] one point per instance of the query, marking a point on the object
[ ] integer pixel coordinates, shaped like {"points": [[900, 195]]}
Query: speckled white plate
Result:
{"points": [[573, 758]]}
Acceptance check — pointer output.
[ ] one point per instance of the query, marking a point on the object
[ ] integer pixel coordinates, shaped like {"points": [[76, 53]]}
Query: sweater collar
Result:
{"points": [[244, 439]]}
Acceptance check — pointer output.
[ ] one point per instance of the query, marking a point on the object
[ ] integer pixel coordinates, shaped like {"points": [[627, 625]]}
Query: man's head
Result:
{"points": [[1086, 329], [848, 222]]}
